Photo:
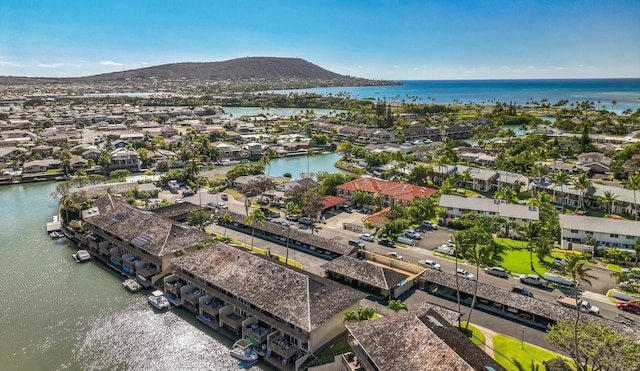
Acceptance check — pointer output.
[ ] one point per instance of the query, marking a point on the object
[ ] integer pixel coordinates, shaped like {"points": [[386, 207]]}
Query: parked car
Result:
{"points": [[283, 223], [366, 237], [428, 225], [357, 243], [464, 274], [304, 220], [270, 220], [446, 249], [406, 240], [412, 234], [387, 243], [574, 303], [293, 218], [345, 208], [187, 193], [430, 264], [394, 254], [629, 306], [522, 290], [222, 205], [497, 271], [224, 197], [532, 279]]}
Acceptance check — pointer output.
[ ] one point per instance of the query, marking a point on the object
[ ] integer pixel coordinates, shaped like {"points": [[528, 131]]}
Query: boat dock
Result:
{"points": [[54, 228]]}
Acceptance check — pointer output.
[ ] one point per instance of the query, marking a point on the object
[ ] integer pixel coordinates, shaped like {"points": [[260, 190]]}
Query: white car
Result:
{"points": [[430, 264], [412, 234], [394, 255], [366, 237], [222, 205], [464, 274]]}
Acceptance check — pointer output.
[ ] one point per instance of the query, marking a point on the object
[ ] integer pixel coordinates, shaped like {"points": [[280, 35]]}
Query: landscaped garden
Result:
{"points": [[515, 355]]}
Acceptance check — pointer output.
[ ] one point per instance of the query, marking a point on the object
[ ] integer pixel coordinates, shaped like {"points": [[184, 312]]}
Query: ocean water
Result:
{"points": [[626, 92]]}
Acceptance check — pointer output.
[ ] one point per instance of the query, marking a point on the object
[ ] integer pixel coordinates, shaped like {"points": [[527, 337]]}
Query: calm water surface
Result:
{"points": [[60, 315], [298, 165]]}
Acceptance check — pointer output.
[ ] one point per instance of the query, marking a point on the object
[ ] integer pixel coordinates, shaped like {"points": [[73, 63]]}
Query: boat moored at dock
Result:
{"points": [[81, 256], [158, 300], [131, 285]]}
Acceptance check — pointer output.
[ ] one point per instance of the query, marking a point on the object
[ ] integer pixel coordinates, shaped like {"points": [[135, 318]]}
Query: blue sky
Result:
{"points": [[380, 39]]}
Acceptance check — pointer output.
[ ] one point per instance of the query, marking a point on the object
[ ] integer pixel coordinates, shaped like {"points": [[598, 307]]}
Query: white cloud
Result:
{"points": [[49, 65], [110, 63]]}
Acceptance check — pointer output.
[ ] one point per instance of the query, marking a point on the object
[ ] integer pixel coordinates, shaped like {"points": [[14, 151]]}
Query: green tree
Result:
{"points": [[420, 175], [346, 149], [599, 346], [634, 183], [397, 305], [583, 184], [609, 198], [226, 218], [531, 232], [200, 219], [561, 179], [360, 197], [256, 216]]}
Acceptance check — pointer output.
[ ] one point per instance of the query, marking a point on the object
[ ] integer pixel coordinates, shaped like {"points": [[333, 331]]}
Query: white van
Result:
{"points": [[446, 249]]}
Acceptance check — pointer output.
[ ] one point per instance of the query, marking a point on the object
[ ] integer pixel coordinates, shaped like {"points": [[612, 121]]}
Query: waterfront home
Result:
{"points": [[456, 206], [138, 242], [391, 192], [123, 158], [92, 153], [595, 161], [40, 166], [574, 229], [417, 340], [78, 163], [227, 151], [288, 312]]}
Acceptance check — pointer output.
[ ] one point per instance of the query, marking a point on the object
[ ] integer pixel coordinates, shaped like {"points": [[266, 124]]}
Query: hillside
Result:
{"points": [[250, 70]]}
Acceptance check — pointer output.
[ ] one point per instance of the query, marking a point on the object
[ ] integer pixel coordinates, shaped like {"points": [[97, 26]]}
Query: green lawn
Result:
{"points": [[515, 257], [510, 354], [339, 346], [473, 333]]}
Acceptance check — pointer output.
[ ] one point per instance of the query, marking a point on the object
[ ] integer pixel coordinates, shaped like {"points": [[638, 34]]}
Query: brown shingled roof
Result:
{"points": [[300, 298], [149, 232], [362, 271]]}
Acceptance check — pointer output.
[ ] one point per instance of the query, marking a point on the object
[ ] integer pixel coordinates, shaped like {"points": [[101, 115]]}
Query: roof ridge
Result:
{"points": [[308, 303], [384, 277]]}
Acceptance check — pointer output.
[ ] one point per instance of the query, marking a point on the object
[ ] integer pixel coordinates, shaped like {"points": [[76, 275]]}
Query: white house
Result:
{"points": [[574, 229]]}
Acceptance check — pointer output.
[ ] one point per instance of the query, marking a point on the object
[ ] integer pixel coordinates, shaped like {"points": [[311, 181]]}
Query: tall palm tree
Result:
{"points": [[456, 248], [574, 267], [465, 177], [560, 178], [481, 254], [583, 184], [531, 232], [309, 154], [608, 199], [226, 219], [256, 216], [634, 183]]}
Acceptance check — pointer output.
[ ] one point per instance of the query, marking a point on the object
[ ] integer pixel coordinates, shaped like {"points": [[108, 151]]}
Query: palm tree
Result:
{"points": [[481, 254], [465, 177], [226, 219], [256, 216], [634, 183], [560, 178], [456, 248], [574, 267], [350, 316], [531, 232], [309, 154], [397, 305], [582, 184], [608, 199]]}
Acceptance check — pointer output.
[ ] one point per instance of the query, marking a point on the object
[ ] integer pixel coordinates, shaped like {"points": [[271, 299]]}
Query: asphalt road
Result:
{"points": [[332, 229]]}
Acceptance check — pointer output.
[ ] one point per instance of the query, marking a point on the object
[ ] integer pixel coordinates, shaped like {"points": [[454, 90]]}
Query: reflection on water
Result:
{"points": [[60, 315]]}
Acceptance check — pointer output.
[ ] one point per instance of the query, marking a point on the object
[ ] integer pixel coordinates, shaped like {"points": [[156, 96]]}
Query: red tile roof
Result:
{"points": [[330, 201], [379, 217], [399, 191]]}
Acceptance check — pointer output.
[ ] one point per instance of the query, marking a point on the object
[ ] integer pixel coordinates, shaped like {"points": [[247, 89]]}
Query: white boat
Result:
{"points": [[243, 350], [82, 256], [158, 300], [131, 285]]}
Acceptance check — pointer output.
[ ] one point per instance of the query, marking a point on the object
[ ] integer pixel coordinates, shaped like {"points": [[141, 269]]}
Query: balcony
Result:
{"points": [[172, 285], [256, 332], [116, 255], [283, 347], [233, 320], [145, 269], [191, 296], [210, 305], [129, 263]]}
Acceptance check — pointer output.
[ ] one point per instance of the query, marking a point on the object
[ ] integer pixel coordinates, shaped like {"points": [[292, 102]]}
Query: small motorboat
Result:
{"points": [[247, 364], [131, 285], [81, 256], [158, 300], [243, 350]]}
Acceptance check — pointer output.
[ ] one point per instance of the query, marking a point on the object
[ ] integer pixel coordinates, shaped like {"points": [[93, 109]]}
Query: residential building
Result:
{"points": [[391, 192], [482, 180], [608, 232], [291, 312], [596, 162], [138, 242], [426, 339], [40, 166], [123, 158], [227, 151]]}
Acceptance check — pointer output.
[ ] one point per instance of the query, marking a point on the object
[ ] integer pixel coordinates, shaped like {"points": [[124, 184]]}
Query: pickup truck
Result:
{"points": [[532, 279], [584, 306]]}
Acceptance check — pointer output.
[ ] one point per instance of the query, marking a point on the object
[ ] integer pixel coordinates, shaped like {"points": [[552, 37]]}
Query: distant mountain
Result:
{"points": [[241, 70]]}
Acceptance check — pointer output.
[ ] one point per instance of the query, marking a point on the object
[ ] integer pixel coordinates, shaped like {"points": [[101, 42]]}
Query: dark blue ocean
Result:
{"points": [[625, 92]]}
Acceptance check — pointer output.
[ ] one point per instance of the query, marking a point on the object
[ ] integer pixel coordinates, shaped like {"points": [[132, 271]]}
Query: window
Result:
{"points": [[613, 235], [574, 231], [630, 237]]}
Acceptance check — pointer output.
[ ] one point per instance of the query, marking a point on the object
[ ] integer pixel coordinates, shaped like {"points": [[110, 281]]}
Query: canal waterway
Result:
{"points": [[60, 315], [298, 165]]}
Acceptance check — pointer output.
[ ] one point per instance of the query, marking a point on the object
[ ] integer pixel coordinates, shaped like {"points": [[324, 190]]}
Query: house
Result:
{"points": [[40, 166], [632, 164], [479, 179], [513, 181], [608, 232], [390, 192], [92, 153], [120, 143], [595, 161], [78, 163], [291, 312], [423, 340], [255, 150], [169, 131], [136, 241], [227, 151], [457, 205], [123, 158]]}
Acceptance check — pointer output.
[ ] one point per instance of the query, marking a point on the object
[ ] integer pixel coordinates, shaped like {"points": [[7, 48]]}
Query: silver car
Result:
{"points": [[497, 271]]}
